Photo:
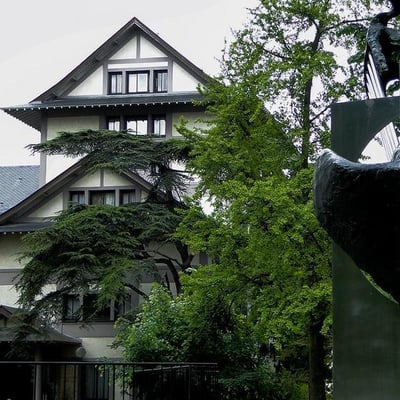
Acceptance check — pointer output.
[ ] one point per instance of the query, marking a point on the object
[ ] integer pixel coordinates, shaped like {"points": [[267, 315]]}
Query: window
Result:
{"points": [[77, 197], [100, 197], [161, 81], [122, 307], [113, 124], [125, 81], [112, 197], [137, 126], [127, 196], [115, 83], [90, 313], [138, 82], [71, 307], [159, 125]]}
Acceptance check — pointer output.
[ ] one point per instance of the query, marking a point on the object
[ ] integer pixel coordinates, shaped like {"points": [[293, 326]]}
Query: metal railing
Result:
{"points": [[33, 380]]}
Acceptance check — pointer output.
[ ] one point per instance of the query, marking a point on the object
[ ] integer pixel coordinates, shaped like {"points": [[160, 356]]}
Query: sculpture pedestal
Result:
{"points": [[366, 325]]}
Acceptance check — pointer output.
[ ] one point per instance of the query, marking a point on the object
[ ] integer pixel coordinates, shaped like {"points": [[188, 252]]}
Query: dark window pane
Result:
{"points": [[127, 196], [71, 306], [90, 311], [77, 197], [113, 124], [137, 126], [161, 81], [138, 82], [143, 82], [101, 197], [115, 82], [159, 126], [122, 307]]}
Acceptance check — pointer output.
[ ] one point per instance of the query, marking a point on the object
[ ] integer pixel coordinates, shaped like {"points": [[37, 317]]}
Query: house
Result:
{"points": [[135, 81]]}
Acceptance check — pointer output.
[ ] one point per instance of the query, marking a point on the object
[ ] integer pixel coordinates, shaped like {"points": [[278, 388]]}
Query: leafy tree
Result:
{"points": [[105, 248], [202, 326], [270, 118], [270, 260]]}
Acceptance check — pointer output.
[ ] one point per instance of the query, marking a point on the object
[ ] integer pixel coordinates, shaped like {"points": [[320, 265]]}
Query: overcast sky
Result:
{"points": [[43, 40]]}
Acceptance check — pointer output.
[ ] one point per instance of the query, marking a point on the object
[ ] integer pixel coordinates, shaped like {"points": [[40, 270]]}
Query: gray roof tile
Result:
{"points": [[17, 183]]}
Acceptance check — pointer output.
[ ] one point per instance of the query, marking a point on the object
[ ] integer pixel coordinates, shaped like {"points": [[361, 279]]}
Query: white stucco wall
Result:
{"points": [[100, 347], [192, 121], [92, 180], [57, 164], [52, 207], [113, 179], [182, 80], [8, 295], [147, 50], [126, 52], [10, 245], [91, 86]]}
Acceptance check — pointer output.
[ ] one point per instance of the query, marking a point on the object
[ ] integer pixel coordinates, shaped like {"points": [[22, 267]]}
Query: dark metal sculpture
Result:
{"points": [[383, 44], [359, 206]]}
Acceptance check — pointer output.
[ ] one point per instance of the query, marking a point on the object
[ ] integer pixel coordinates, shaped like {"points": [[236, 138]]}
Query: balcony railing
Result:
{"points": [[107, 381]]}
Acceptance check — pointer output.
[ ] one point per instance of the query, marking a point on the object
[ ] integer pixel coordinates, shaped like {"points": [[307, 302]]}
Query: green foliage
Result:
{"points": [[122, 151], [156, 332], [101, 249], [267, 293], [269, 118], [202, 327]]}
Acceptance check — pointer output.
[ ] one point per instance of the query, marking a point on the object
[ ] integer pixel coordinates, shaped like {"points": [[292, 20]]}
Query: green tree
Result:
{"points": [[202, 326], [270, 118], [107, 249]]}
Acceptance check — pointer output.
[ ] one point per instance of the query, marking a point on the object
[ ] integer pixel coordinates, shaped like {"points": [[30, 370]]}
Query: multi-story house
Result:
{"points": [[135, 81]]}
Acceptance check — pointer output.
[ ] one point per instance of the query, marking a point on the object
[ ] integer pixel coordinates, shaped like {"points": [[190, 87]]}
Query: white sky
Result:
{"points": [[43, 40]]}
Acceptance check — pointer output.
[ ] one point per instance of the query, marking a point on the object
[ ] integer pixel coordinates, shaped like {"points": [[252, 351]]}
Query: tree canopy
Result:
{"points": [[102, 248], [269, 281]]}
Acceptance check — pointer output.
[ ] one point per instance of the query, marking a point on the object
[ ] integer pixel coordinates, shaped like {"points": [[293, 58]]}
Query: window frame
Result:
{"points": [[104, 193], [67, 315], [136, 74], [137, 118], [157, 80], [112, 74], [156, 74], [131, 192], [80, 193], [118, 192], [159, 117], [114, 120]]}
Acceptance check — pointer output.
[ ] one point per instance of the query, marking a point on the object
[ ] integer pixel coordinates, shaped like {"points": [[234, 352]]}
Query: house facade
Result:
{"points": [[135, 81]]}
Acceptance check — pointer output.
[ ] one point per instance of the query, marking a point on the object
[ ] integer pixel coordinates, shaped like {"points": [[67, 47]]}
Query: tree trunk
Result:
{"points": [[317, 366]]}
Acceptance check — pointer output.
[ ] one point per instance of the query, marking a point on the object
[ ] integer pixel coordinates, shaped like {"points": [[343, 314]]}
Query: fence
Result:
{"points": [[107, 381]]}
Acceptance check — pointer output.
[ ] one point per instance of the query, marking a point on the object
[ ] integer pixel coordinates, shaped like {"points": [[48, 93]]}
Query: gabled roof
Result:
{"points": [[10, 220], [107, 49], [16, 184], [56, 97]]}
